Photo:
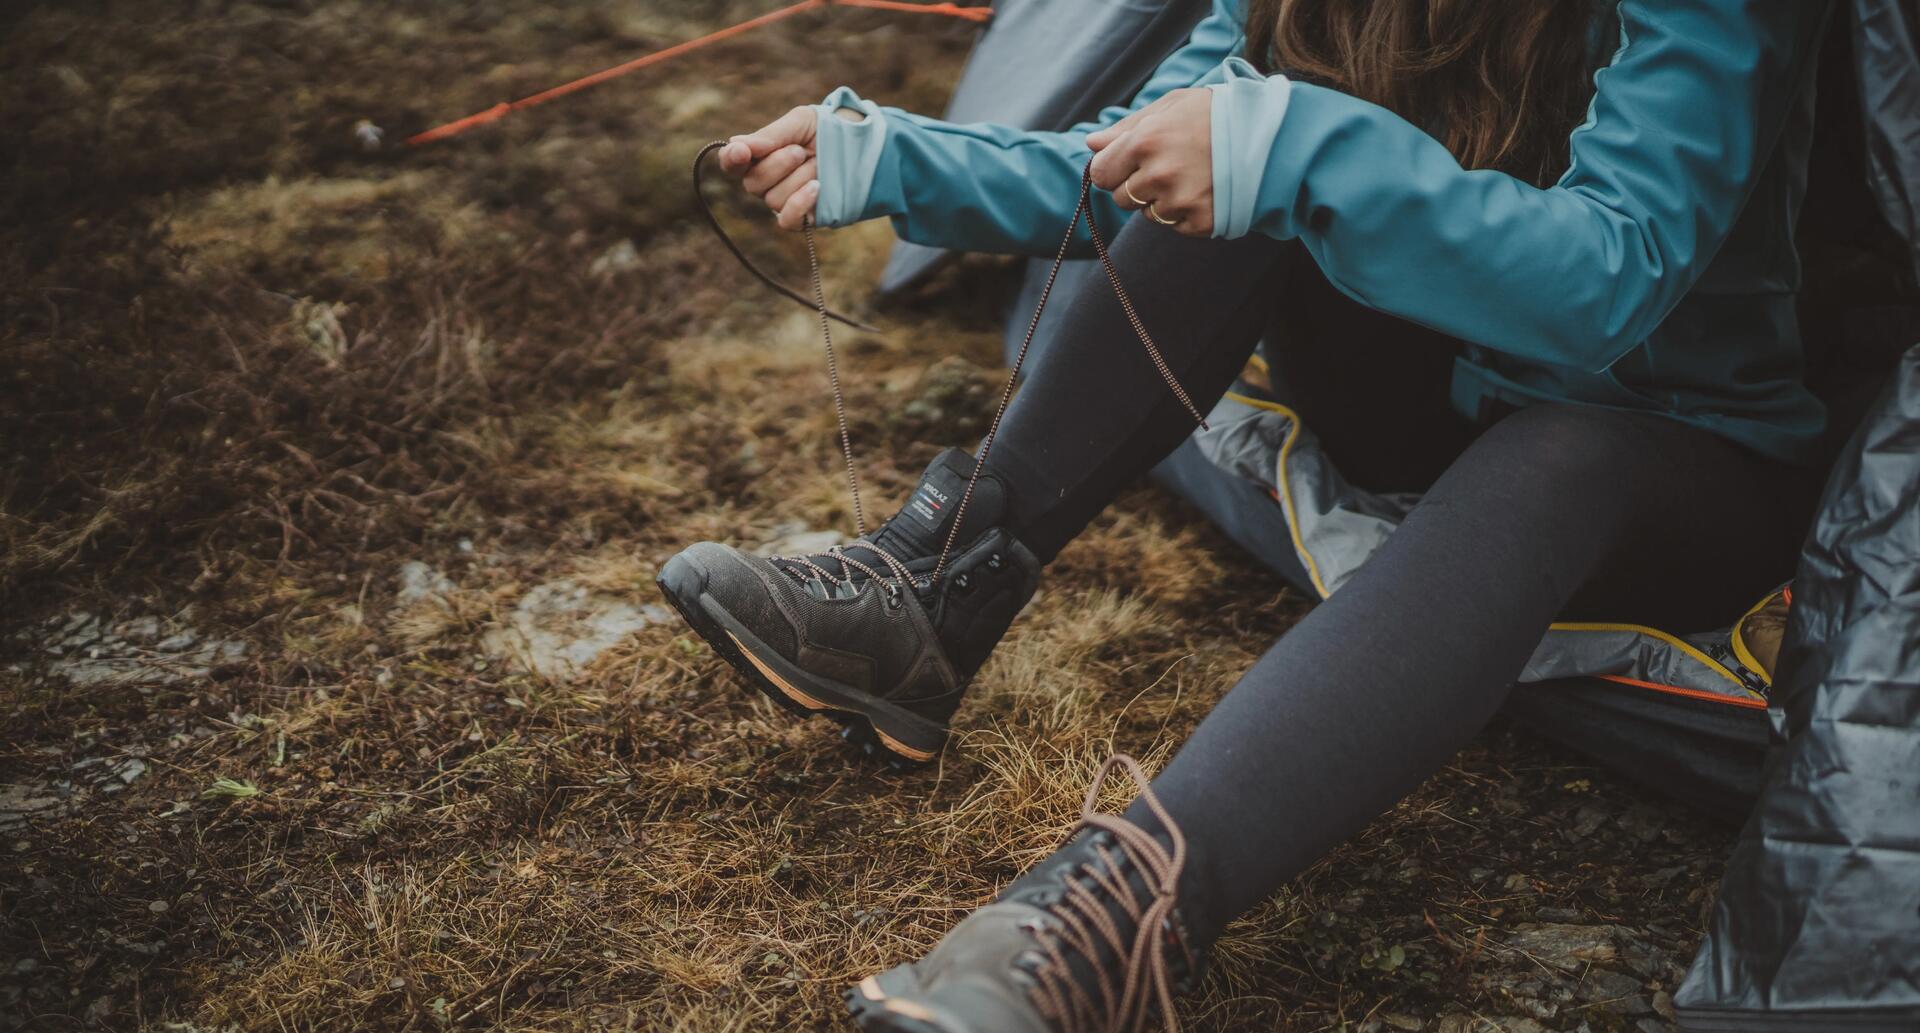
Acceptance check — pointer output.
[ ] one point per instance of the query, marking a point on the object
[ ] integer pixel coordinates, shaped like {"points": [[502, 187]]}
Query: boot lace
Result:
{"points": [[1084, 208], [1122, 995]]}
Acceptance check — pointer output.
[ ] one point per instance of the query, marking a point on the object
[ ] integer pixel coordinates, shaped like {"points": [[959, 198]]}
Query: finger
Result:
{"points": [[794, 213], [1099, 139], [1117, 162], [1133, 195], [736, 157], [796, 126], [795, 181], [1199, 219], [770, 170]]}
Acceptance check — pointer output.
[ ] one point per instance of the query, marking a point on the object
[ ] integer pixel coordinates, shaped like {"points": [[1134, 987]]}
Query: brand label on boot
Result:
{"points": [[930, 505]]}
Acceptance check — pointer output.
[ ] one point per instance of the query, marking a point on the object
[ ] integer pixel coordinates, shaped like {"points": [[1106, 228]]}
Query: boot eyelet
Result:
{"points": [[893, 596], [962, 582], [994, 561]]}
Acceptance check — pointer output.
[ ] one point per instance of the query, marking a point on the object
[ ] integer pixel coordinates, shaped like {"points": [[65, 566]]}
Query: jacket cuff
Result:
{"points": [[1246, 114], [846, 154]]}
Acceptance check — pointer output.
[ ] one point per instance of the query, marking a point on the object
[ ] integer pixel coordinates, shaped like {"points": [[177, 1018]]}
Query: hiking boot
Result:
{"points": [[1090, 941], [865, 633]]}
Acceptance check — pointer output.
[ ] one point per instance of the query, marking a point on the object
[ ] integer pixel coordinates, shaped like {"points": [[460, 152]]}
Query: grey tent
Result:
{"points": [[1817, 926]]}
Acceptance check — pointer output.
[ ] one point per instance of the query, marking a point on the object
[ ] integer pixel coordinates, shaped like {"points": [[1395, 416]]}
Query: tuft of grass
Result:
{"points": [[230, 789]]}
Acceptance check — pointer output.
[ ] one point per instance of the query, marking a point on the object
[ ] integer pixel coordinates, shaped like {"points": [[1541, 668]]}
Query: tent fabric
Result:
{"points": [[1335, 527], [1819, 913], [1817, 925], [1886, 44], [1048, 64]]}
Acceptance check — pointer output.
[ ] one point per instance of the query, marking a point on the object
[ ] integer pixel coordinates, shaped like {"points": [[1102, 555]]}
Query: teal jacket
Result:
{"points": [[1658, 274]]}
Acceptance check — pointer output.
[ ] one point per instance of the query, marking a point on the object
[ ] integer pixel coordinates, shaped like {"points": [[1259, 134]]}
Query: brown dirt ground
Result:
{"points": [[250, 370]]}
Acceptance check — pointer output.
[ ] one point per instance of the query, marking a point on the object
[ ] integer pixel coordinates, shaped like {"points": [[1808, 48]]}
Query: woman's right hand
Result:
{"points": [[776, 164]]}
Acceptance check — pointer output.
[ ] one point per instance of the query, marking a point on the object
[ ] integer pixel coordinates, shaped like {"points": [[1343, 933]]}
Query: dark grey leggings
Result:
{"points": [[1552, 511]]}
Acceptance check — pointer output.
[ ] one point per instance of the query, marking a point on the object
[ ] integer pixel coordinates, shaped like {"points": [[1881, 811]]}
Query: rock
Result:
{"points": [[1398, 1021], [1602, 986], [87, 649], [420, 583], [558, 628], [1663, 1006], [317, 323], [615, 260], [1585, 821], [20, 802], [953, 400], [128, 770], [1567, 947]]}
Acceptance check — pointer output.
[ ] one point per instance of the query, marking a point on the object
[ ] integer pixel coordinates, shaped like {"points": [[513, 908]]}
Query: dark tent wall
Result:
{"points": [[1818, 921]]}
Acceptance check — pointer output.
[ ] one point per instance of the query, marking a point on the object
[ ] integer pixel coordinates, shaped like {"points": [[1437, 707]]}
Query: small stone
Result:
{"points": [[1663, 1006], [615, 260], [1398, 1021], [158, 907], [1567, 947]]}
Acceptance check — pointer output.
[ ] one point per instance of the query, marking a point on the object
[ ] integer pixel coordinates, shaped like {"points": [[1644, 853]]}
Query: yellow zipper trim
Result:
{"points": [[1313, 569], [1740, 650], [1640, 629], [1286, 490]]}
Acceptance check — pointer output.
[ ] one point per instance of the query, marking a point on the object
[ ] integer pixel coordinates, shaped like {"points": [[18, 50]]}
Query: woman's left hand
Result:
{"points": [[1162, 155]]}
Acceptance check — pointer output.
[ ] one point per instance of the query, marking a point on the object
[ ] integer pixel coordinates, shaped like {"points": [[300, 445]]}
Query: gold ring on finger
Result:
{"points": [[1157, 217]]}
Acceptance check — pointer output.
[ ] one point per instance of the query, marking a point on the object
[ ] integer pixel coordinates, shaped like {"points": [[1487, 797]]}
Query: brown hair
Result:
{"points": [[1500, 82]]}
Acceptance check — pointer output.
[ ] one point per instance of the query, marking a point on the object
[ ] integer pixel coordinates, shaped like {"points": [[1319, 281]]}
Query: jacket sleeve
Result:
{"points": [[1682, 123], [987, 187]]}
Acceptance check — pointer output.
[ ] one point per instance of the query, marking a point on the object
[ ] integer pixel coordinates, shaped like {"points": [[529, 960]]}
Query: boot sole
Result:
{"points": [[867, 722], [875, 1010]]}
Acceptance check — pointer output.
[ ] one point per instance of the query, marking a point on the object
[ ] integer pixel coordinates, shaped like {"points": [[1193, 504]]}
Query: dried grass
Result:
{"points": [[254, 370]]}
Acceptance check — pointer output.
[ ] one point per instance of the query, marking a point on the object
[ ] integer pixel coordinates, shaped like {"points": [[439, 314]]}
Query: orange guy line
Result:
{"points": [[501, 110]]}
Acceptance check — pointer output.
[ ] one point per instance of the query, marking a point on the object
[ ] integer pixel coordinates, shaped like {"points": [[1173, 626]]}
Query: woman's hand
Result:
{"points": [[1162, 155], [776, 164]]}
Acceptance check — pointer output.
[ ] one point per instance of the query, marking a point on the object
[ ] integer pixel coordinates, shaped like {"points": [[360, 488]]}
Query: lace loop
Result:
{"points": [[1084, 926]]}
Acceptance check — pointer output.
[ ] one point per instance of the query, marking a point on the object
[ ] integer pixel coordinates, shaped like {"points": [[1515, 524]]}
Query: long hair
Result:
{"points": [[1500, 82]]}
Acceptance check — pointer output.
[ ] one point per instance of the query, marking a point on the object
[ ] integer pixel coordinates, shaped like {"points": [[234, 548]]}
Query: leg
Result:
{"points": [[1093, 413], [1368, 695], [1379, 686], [884, 635]]}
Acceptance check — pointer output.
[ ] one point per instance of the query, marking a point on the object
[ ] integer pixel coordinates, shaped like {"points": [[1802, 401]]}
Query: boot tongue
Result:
{"points": [[921, 527]]}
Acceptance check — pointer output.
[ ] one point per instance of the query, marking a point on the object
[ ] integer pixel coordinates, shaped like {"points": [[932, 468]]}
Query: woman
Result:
{"points": [[1575, 331]]}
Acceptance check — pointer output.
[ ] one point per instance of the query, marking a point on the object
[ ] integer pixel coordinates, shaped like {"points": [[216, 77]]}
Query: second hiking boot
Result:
{"points": [[864, 633]]}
